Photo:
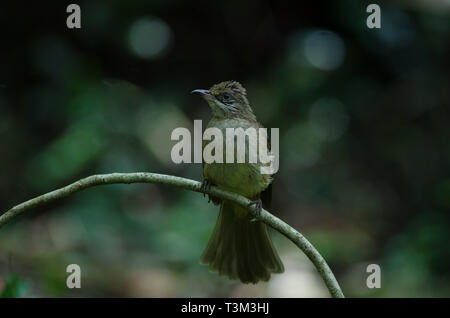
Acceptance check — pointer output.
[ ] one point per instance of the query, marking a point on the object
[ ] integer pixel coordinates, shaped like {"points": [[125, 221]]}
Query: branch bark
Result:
{"points": [[188, 184]]}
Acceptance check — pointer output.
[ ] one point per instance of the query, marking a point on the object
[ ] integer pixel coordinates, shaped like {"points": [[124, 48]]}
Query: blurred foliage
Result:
{"points": [[364, 124], [14, 287]]}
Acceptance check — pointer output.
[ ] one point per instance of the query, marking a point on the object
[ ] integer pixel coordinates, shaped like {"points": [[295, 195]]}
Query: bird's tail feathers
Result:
{"points": [[241, 249]]}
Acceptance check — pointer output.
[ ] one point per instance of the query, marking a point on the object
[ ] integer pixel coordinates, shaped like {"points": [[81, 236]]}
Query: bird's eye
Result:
{"points": [[226, 96]]}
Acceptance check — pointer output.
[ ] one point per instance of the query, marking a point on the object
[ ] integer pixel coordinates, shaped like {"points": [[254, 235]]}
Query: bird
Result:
{"points": [[240, 246]]}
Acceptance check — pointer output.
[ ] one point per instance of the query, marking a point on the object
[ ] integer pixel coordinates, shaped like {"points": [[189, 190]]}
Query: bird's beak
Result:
{"points": [[206, 94]]}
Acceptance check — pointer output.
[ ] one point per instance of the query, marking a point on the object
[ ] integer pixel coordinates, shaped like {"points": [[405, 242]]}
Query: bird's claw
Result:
{"points": [[257, 211], [206, 186]]}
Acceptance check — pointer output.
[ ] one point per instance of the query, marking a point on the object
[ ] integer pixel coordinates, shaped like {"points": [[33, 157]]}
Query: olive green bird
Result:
{"points": [[239, 247]]}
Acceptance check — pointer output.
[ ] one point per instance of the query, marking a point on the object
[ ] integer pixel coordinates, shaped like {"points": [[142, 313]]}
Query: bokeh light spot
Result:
{"points": [[324, 49], [149, 37]]}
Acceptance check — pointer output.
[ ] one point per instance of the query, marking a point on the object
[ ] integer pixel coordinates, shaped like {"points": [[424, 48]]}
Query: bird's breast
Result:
{"points": [[243, 178]]}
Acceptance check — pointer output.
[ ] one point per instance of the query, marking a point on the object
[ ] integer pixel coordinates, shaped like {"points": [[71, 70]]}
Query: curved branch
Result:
{"points": [[146, 177]]}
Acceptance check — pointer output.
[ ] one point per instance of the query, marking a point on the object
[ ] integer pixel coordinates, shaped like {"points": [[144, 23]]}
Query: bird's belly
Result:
{"points": [[243, 178]]}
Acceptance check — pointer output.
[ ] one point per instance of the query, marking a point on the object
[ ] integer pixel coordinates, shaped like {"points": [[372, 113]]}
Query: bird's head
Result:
{"points": [[227, 100]]}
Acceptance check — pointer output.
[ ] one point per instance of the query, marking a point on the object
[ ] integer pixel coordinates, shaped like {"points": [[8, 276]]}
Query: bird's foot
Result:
{"points": [[257, 211], [205, 187]]}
